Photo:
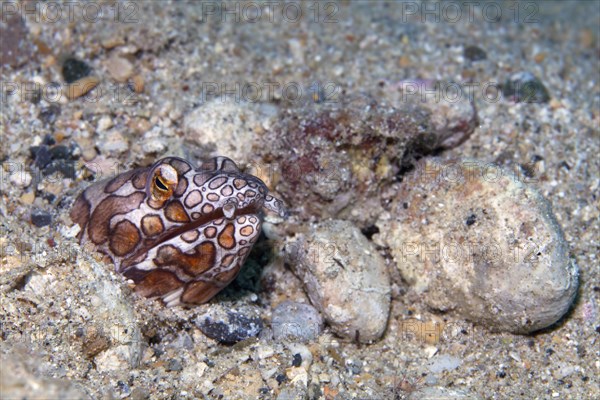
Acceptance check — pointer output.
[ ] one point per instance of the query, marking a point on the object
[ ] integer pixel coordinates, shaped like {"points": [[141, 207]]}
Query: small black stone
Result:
{"points": [[280, 378], [41, 155], [61, 152], [471, 219], [501, 374], [66, 168], [474, 53], [48, 114], [369, 231], [40, 218], [526, 88], [74, 69], [297, 361], [598, 329], [49, 140]]}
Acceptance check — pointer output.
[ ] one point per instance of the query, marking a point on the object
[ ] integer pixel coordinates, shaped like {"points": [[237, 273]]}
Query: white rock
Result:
{"points": [[493, 252], [104, 123], [345, 279]]}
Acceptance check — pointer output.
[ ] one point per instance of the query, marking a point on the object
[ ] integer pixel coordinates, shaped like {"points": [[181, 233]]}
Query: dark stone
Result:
{"points": [[369, 231], [471, 219], [49, 140], [74, 69], [40, 218], [280, 378], [41, 155], [65, 167], [230, 328], [297, 360], [124, 389], [474, 53], [61, 152], [526, 88], [48, 114], [296, 321], [54, 159]]}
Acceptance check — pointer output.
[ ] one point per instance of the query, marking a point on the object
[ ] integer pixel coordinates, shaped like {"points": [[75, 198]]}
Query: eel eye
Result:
{"points": [[163, 183], [160, 185]]}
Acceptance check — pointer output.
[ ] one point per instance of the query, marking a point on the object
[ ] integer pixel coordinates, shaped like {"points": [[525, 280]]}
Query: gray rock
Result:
{"points": [[345, 279], [229, 326], [40, 218], [296, 321], [525, 87], [482, 242]]}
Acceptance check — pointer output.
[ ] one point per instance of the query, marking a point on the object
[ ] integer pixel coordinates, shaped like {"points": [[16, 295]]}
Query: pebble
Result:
{"points": [[104, 123], [525, 87], [40, 218], [57, 158], [28, 198], [74, 70], [119, 68], [296, 321], [344, 277], [81, 87], [229, 326], [137, 83], [41, 155], [49, 114], [481, 242], [474, 53]]}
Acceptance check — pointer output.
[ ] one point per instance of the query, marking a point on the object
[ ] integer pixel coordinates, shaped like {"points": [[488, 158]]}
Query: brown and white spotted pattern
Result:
{"points": [[178, 233]]}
